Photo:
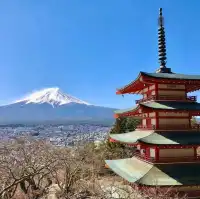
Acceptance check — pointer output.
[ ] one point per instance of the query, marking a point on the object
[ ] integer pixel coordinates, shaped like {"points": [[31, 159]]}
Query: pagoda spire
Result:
{"points": [[162, 57]]}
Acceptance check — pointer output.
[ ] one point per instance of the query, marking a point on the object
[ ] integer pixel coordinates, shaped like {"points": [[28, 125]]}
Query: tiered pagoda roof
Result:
{"points": [[162, 108], [158, 137], [141, 172], [159, 105], [145, 79]]}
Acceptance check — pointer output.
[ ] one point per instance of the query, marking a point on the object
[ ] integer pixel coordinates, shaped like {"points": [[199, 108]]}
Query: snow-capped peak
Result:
{"points": [[53, 96]]}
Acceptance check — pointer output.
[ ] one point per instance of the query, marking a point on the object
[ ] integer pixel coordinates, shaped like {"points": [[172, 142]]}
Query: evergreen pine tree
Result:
{"points": [[122, 125], [132, 123]]}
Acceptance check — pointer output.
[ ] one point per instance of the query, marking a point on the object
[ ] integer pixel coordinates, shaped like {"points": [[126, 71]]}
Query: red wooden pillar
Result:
{"points": [[156, 93], [185, 93], [147, 152], [157, 153], [157, 120]]}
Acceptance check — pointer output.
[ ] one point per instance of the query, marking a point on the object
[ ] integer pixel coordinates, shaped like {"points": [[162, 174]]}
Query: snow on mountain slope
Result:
{"points": [[52, 105], [53, 96]]}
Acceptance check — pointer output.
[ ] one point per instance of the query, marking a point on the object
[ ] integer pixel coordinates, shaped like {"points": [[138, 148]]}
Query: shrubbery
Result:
{"points": [[30, 168], [122, 125]]}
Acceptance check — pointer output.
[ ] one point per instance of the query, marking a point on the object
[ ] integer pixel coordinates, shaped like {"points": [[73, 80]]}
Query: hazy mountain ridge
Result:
{"points": [[51, 104]]}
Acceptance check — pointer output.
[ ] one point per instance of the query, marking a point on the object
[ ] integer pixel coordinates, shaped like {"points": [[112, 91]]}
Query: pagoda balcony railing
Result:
{"points": [[170, 127], [192, 98], [167, 159], [166, 97]]}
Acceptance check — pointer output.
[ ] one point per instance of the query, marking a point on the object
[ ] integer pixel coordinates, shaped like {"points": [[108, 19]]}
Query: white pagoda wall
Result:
{"points": [[144, 122], [152, 114], [153, 121]]}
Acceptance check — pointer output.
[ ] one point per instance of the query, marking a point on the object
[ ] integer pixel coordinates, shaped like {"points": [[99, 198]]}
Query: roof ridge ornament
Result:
{"points": [[162, 45]]}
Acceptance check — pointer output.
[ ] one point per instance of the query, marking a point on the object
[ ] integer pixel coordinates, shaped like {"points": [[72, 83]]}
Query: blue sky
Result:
{"points": [[89, 48]]}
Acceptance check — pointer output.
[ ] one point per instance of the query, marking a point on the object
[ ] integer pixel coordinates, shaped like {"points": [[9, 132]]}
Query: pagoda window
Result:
{"points": [[171, 93], [173, 114], [171, 122], [176, 153], [171, 86], [152, 153]]}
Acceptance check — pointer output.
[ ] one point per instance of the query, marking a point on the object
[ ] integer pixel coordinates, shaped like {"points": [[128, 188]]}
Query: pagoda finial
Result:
{"points": [[162, 45]]}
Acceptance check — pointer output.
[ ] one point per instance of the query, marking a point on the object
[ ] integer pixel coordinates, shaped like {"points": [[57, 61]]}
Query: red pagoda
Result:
{"points": [[166, 140]]}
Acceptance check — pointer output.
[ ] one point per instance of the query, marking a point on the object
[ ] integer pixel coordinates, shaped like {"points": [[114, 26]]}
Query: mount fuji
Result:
{"points": [[53, 96], [52, 105]]}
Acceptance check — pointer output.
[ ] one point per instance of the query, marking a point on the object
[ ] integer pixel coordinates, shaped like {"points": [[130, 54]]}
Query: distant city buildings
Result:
{"points": [[65, 135]]}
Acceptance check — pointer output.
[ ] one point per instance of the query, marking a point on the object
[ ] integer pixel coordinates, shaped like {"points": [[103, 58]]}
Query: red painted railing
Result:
{"points": [[170, 127], [147, 127], [196, 126], [152, 97], [167, 159], [165, 97], [112, 140]]}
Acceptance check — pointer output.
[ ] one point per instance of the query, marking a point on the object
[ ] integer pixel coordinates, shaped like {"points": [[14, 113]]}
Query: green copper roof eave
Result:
{"points": [[126, 110], [137, 171], [130, 169], [163, 76], [123, 87], [172, 105], [164, 105], [130, 137], [172, 76], [162, 138], [172, 138]]}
